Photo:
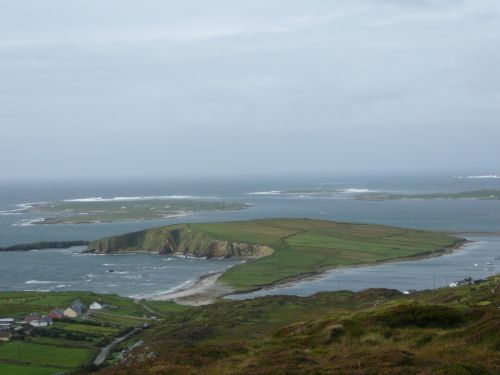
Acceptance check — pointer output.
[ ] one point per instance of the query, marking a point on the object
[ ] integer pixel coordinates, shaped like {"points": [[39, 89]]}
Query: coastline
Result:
{"points": [[207, 289], [459, 244], [204, 291]]}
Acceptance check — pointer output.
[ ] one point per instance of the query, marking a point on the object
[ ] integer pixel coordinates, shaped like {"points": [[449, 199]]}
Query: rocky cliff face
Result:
{"points": [[178, 239]]}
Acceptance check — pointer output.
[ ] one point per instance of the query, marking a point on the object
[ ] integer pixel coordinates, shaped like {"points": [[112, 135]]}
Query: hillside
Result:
{"points": [[377, 331], [284, 248]]}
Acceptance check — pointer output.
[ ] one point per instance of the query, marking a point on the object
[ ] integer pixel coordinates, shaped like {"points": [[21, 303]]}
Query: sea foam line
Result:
{"points": [[271, 192], [123, 199], [480, 177]]}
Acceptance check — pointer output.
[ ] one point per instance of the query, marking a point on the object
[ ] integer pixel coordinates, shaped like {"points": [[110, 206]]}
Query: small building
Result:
{"points": [[5, 334], [6, 322], [56, 314], [96, 306], [44, 321], [70, 313], [78, 307], [410, 291], [32, 317]]}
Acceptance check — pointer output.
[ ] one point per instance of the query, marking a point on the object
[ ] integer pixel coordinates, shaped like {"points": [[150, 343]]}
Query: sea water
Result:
{"points": [[266, 198]]}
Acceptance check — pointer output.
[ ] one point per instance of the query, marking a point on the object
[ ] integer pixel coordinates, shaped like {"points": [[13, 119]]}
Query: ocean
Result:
{"points": [[267, 197]]}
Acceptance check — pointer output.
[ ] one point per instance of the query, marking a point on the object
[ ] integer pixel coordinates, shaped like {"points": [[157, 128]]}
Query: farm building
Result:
{"points": [[44, 321], [70, 313], [76, 309], [32, 317], [96, 306], [6, 322], [56, 314]]}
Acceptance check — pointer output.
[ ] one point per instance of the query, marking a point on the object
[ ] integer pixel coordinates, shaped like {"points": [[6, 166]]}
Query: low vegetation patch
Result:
{"points": [[420, 315], [371, 332]]}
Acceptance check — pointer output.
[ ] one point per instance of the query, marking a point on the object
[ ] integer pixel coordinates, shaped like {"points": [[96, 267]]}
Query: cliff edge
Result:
{"points": [[177, 239]]}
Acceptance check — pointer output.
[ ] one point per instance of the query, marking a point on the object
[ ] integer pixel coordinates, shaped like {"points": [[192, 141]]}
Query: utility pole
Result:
{"points": [[434, 277]]}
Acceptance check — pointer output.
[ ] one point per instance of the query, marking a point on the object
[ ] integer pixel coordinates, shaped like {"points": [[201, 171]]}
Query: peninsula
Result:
{"points": [[278, 250]]}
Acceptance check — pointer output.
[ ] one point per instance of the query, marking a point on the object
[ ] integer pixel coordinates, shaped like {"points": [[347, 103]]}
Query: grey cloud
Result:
{"points": [[123, 87]]}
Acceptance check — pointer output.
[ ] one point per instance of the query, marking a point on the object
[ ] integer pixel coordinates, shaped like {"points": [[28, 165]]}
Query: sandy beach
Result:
{"points": [[206, 290]]}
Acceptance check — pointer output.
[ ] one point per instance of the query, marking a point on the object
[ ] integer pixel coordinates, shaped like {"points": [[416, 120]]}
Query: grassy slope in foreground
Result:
{"points": [[452, 331], [301, 246]]}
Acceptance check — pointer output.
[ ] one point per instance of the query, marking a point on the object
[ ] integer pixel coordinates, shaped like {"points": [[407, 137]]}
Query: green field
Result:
{"points": [[44, 355], [68, 345], [23, 303], [9, 369], [85, 328], [308, 246], [298, 246], [161, 308]]}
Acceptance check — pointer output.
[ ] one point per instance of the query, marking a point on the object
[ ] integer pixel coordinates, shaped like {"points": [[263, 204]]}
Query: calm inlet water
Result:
{"points": [[140, 275], [477, 260]]}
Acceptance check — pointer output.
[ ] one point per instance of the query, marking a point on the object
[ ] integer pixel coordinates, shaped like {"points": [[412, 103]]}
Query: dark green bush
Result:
{"points": [[422, 316]]}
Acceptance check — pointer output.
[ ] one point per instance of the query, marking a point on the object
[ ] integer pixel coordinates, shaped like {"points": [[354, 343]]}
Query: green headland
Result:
{"points": [[281, 249]]}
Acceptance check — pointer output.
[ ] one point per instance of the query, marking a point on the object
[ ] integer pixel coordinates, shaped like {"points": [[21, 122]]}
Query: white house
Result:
{"points": [[96, 306], [42, 322], [6, 322]]}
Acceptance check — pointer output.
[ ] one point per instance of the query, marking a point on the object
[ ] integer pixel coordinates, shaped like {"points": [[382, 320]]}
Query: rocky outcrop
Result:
{"points": [[177, 239], [44, 245]]}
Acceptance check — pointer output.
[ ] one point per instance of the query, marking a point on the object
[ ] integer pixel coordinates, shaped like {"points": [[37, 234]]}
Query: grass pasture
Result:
{"points": [[44, 355], [305, 246], [88, 329], [11, 369], [67, 346]]}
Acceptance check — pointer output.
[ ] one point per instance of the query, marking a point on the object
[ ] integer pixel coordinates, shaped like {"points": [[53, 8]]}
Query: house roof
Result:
{"points": [[32, 317], [78, 306], [57, 312], [43, 319]]}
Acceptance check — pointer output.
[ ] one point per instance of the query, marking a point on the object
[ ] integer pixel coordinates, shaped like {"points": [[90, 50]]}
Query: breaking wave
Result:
{"points": [[180, 287], [354, 191], [28, 222], [122, 199], [271, 192], [486, 176], [40, 282]]}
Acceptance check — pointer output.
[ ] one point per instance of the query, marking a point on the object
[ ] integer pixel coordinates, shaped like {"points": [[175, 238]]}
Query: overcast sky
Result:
{"points": [[163, 87]]}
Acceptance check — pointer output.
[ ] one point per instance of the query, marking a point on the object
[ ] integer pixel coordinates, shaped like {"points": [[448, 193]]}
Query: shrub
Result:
{"points": [[420, 316]]}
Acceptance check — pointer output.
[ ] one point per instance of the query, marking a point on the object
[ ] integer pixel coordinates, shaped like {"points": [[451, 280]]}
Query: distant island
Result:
{"points": [[121, 209], [367, 195], [475, 194], [277, 250]]}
